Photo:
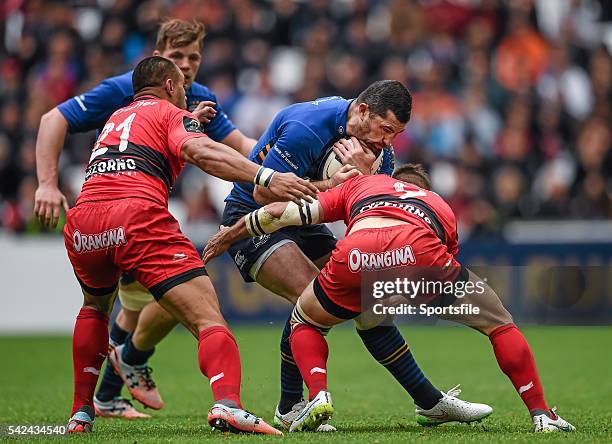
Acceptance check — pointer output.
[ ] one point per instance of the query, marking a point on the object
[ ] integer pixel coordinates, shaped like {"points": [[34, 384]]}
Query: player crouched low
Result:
{"points": [[311, 322], [383, 214]]}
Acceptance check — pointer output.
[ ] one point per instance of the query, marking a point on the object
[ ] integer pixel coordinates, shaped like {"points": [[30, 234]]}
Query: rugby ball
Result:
{"points": [[331, 164]]}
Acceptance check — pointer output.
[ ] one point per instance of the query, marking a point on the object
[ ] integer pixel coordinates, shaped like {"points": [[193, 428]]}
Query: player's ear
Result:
{"points": [[170, 86], [363, 110]]}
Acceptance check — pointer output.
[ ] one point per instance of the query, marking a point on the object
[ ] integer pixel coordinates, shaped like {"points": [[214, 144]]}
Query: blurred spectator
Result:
{"points": [[512, 99]]}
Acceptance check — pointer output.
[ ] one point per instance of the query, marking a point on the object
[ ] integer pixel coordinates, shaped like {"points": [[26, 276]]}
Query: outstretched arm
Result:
{"points": [[267, 219], [221, 161]]}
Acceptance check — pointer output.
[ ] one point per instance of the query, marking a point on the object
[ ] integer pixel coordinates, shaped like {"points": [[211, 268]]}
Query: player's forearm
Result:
{"points": [[49, 143], [278, 215], [238, 231], [247, 145]]}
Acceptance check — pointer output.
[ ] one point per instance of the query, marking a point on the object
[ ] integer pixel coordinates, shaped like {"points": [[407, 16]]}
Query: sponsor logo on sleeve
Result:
{"points": [[192, 125], [286, 156]]}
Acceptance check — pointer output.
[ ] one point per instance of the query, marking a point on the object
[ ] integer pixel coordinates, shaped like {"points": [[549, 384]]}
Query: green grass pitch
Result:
{"points": [[575, 366]]}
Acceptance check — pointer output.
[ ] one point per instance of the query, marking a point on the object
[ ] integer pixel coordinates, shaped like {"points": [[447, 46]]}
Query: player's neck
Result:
{"points": [[350, 121], [150, 92]]}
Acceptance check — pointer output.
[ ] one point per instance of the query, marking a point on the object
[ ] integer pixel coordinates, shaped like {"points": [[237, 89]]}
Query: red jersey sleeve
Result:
{"points": [[333, 203], [182, 126]]}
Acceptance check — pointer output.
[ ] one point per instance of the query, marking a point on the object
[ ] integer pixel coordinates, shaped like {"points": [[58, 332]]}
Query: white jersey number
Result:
{"points": [[399, 187], [124, 127]]}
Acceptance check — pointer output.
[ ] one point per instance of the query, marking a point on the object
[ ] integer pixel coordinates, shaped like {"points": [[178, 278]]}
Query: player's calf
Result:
{"points": [[194, 303], [89, 349]]}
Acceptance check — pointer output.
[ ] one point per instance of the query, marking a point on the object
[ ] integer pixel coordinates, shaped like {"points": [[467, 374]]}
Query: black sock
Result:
{"points": [[387, 346], [132, 356], [111, 384], [291, 379]]}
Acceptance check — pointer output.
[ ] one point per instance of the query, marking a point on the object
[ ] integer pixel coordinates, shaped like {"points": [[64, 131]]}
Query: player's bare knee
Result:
{"points": [[493, 314]]}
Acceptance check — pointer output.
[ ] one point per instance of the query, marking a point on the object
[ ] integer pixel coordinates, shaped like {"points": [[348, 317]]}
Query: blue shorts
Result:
{"points": [[249, 254]]}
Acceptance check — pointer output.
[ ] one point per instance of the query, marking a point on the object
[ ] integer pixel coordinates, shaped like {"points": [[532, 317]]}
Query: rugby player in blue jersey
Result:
{"points": [[181, 42], [299, 140]]}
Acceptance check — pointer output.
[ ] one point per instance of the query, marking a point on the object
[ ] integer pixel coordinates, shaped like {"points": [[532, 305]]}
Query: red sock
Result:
{"points": [[516, 360], [89, 349], [219, 360], [310, 352]]}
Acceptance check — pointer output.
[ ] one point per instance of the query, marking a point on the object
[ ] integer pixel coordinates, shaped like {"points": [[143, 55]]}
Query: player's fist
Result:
{"points": [[47, 202], [205, 111], [343, 174], [287, 186], [350, 151]]}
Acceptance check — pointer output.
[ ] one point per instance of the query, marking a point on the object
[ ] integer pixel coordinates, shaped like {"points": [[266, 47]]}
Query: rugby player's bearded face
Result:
{"points": [[377, 132], [187, 58]]}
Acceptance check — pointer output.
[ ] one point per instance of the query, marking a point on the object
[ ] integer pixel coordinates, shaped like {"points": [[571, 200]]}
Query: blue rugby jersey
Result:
{"points": [[297, 141], [92, 109]]}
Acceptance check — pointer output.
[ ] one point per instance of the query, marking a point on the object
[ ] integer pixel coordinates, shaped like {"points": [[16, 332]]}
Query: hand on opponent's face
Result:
{"points": [[352, 152]]}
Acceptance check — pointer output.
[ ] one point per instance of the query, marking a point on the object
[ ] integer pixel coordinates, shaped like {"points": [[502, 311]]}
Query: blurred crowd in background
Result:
{"points": [[512, 109]]}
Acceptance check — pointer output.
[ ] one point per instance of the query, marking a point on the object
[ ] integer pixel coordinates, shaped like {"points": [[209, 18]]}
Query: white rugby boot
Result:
{"points": [[315, 413], [284, 421], [452, 409], [545, 423]]}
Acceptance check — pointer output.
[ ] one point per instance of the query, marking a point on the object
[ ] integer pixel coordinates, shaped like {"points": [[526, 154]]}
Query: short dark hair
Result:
{"points": [[388, 95], [151, 72], [413, 173]]}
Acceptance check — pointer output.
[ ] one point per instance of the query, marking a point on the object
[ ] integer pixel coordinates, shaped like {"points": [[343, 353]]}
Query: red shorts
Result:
{"points": [[106, 238], [396, 250]]}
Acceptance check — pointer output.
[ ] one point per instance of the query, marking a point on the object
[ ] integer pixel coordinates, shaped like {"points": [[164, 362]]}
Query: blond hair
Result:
{"points": [[178, 33]]}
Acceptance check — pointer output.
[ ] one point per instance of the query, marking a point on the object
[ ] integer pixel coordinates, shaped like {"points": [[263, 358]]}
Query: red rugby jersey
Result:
{"points": [[138, 152], [383, 196]]}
